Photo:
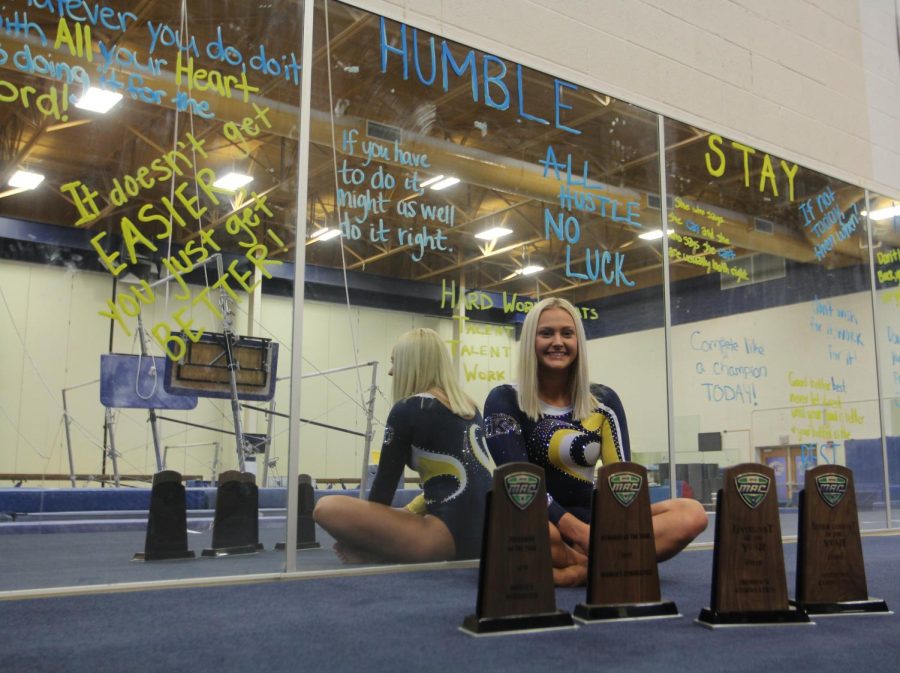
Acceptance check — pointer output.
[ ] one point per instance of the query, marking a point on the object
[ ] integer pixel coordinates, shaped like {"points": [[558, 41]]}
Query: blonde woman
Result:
{"points": [[435, 428], [557, 419]]}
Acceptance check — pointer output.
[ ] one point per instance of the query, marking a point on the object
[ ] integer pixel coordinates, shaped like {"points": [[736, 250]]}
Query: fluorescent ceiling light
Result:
{"points": [[884, 213], [25, 180], [431, 181], [493, 233], [443, 184], [530, 269], [655, 234], [325, 234], [98, 100], [232, 181]]}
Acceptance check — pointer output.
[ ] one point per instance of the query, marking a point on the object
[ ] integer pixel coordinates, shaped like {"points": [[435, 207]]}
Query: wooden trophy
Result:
{"points": [[306, 525], [831, 576], [749, 586], [166, 537], [236, 521], [515, 578], [623, 581]]}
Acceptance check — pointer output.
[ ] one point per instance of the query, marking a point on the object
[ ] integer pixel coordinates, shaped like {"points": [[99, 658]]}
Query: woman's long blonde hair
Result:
{"points": [[422, 362], [583, 402]]}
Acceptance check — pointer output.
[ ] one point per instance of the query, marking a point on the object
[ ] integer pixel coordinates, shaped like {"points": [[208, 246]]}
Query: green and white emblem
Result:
{"points": [[831, 487], [625, 486], [752, 487], [522, 488]]}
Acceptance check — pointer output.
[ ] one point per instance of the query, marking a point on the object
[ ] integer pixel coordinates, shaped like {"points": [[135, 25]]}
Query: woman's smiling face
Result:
{"points": [[556, 341]]}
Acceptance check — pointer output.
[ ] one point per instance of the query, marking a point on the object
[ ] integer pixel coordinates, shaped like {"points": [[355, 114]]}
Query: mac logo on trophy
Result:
{"points": [[753, 488], [522, 488], [625, 487], [831, 487]]}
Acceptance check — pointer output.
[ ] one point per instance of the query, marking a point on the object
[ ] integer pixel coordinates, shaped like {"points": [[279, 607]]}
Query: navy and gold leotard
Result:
{"points": [[450, 455], [568, 450]]}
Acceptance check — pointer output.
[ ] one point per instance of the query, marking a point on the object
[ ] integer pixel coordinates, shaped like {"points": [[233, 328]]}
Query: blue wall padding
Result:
{"points": [[660, 493], [864, 457], [32, 500], [28, 500], [276, 498]]}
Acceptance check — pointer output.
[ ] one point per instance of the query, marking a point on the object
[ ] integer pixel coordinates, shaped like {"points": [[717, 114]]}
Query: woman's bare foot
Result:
{"points": [[349, 554]]}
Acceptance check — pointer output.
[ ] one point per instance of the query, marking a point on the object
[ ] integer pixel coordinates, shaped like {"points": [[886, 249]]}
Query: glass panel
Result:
{"points": [[552, 186], [884, 222], [130, 197], [773, 334]]}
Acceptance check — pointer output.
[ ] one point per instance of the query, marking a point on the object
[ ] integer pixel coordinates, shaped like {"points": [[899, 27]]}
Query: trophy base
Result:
{"points": [[218, 552], [496, 626], [791, 617], [279, 546], [870, 606], [163, 556], [586, 612]]}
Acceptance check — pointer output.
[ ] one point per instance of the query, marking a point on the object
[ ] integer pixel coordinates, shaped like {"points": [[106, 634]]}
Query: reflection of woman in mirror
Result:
{"points": [[555, 418], [436, 429]]}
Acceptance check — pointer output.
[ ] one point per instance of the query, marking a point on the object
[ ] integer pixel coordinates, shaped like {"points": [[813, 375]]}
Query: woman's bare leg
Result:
{"points": [[676, 523], [369, 530]]}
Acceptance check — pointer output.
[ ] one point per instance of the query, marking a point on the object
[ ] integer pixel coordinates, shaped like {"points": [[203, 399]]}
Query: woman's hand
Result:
{"points": [[576, 532], [569, 566]]}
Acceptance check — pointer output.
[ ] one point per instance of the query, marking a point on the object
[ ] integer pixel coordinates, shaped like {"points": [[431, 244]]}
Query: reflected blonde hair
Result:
{"points": [[422, 362], [583, 402]]}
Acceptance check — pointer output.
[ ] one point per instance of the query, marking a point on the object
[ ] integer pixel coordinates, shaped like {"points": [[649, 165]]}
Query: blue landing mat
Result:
{"points": [[30, 500], [27, 500]]}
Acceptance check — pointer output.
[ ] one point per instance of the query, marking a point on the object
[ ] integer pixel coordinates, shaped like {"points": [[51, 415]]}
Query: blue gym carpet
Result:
{"points": [[408, 622]]}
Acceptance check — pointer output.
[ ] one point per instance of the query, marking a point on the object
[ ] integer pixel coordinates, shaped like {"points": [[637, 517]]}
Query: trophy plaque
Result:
{"points": [[831, 576], [166, 537], [623, 580], [236, 521], [515, 577], [306, 525], [749, 586]]}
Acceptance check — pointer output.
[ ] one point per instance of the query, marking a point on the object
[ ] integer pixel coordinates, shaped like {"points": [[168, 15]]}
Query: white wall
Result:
{"points": [[887, 321], [53, 336], [813, 81], [740, 374], [634, 366], [779, 358]]}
